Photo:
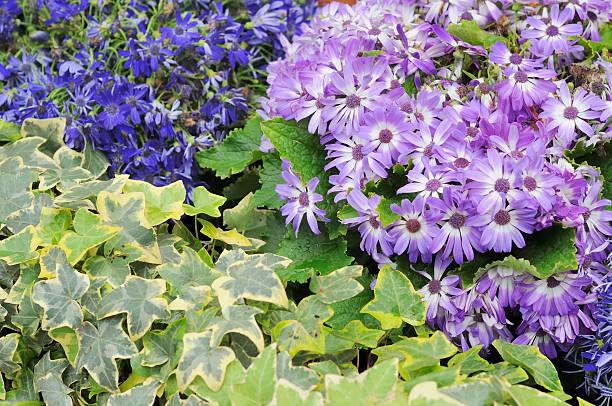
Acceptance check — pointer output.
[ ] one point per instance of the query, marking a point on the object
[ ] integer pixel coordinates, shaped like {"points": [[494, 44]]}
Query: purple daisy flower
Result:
{"points": [[429, 145], [555, 295], [492, 180], [596, 216], [501, 55], [501, 282], [386, 133], [552, 35], [184, 33], [416, 230], [533, 334], [536, 183], [505, 227], [427, 181], [526, 88], [439, 292], [373, 234], [313, 108], [351, 156], [301, 200]]}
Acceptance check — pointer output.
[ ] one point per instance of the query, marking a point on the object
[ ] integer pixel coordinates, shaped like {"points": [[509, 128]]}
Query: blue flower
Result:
{"points": [[184, 33]]}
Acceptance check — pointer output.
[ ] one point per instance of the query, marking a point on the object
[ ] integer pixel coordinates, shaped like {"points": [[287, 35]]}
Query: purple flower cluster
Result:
{"points": [[147, 86], [481, 135]]}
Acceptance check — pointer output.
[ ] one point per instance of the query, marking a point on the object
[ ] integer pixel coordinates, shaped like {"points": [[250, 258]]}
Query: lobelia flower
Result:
{"points": [[373, 234], [504, 227], [567, 112], [415, 232], [301, 200]]}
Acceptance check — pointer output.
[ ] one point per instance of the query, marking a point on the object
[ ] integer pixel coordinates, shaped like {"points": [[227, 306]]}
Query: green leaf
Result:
{"points": [[440, 375], [470, 361], [161, 203], [190, 272], [418, 352], [427, 394], [52, 225], [15, 186], [356, 332], [127, 211], [385, 214], [238, 319], [526, 396], [94, 160], [58, 297], [531, 359], [238, 149], [48, 381], [142, 395], [113, 270], [244, 280], [67, 170], [89, 232], [509, 372], [288, 393], [8, 346], [374, 386], [395, 300], [50, 129], [304, 378], [141, 300], [234, 374], [409, 86], [470, 32], [30, 215], [231, 237], [9, 131], [314, 252], [21, 247], [338, 285], [161, 347], [247, 218], [204, 202], [474, 393], [269, 177], [68, 339], [200, 359], [99, 346], [258, 386], [350, 309], [76, 196]]}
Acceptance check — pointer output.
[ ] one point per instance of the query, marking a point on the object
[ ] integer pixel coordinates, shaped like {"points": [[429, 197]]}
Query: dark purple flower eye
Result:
{"points": [[461, 163], [530, 183], [552, 282], [570, 113], [434, 286], [353, 101], [374, 31], [432, 185], [516, 59], [374, 222], [502, 217], [357, 152], [413, 226], [407, 108], [521, 77], [303, 199], [457, 220], [502, 185], [385, 136], [551, 31]]}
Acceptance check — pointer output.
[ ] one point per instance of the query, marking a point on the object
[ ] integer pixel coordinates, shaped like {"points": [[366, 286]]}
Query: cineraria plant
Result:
{"points": [[148, 84]]}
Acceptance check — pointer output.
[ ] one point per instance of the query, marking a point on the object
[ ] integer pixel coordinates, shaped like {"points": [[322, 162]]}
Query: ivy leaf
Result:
{"points": [[21, 247], [76, 196], [94, 160], [427, 394], [231, 237], [526, 396], [356, 332], [127, 211], [302, 377], [53, 390], [246, 217], [508, 372], [52, 225], [30, 215], [247, 281], [113, 270], [234, 374], [204, 202], [9, 131], [470, 32], [100, 346], [200, 359], [15, 186], [58, 297], [238, 319], [50, 129], [141, 395], [313, 252], [161, 203], [141, 300], [374, 386], [238, 149], [338, 285], [89, 232], [258, 386], [190, 272], [288, 393], [161, 347], [27, 150], [68, 339], [470, 361], [395, 300], [475, 392], [385, 214], [531, 359], [269, 177], [229, 258], [418, 352], [66, 172], [8, 347]]}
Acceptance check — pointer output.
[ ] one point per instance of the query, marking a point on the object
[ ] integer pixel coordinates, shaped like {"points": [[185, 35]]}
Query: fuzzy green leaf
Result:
{"points": [[269, 177]]}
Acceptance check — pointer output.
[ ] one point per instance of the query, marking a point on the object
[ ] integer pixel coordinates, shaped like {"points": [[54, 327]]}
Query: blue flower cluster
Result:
{"points": [[147, 83]]}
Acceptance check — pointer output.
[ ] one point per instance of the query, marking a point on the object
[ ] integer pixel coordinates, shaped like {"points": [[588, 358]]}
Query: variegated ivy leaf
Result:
{"points": [[200, 359], [190, 272], [113, 270], [192, 400], [9, 132], [50, 129], [52, 225], [427, 394], [76, 196], [89, 232], [48, 381], [302, 377], [356, 332], [66, 172], [231, 237], [247, 281], [58, 297], [127, 211], [68, 339], [232, 257], [204, 202], [258, 386], [141, 299], [99, 346], [15, 186], [338, 285], [192, 298], [234, 374], [141, 395], [19, 220], [27, 150], [8, 346], [288, 393], [238, 319], [21, 247], [160, 347], [161, 203]]}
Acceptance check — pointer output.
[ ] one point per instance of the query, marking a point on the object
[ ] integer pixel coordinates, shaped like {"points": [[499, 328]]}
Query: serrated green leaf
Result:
{"points": [[470, 361], [531, 359], [550, 251], [526, 396], [52, 225], [113, 270], [200, 359], [58, 297], [418, 352], [357, 333], [395, 300], [9, 131], [8, 347], [238, 149], [21, 247], [288, 393], [66, 172], [204, 202], [269, 177], [142, 395], [141, 299], [15, 186], [238, 319], [260, 381], [160, 203], [99, 346], [89, 232], [50, 129], [338, 285], [470, 32]]}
